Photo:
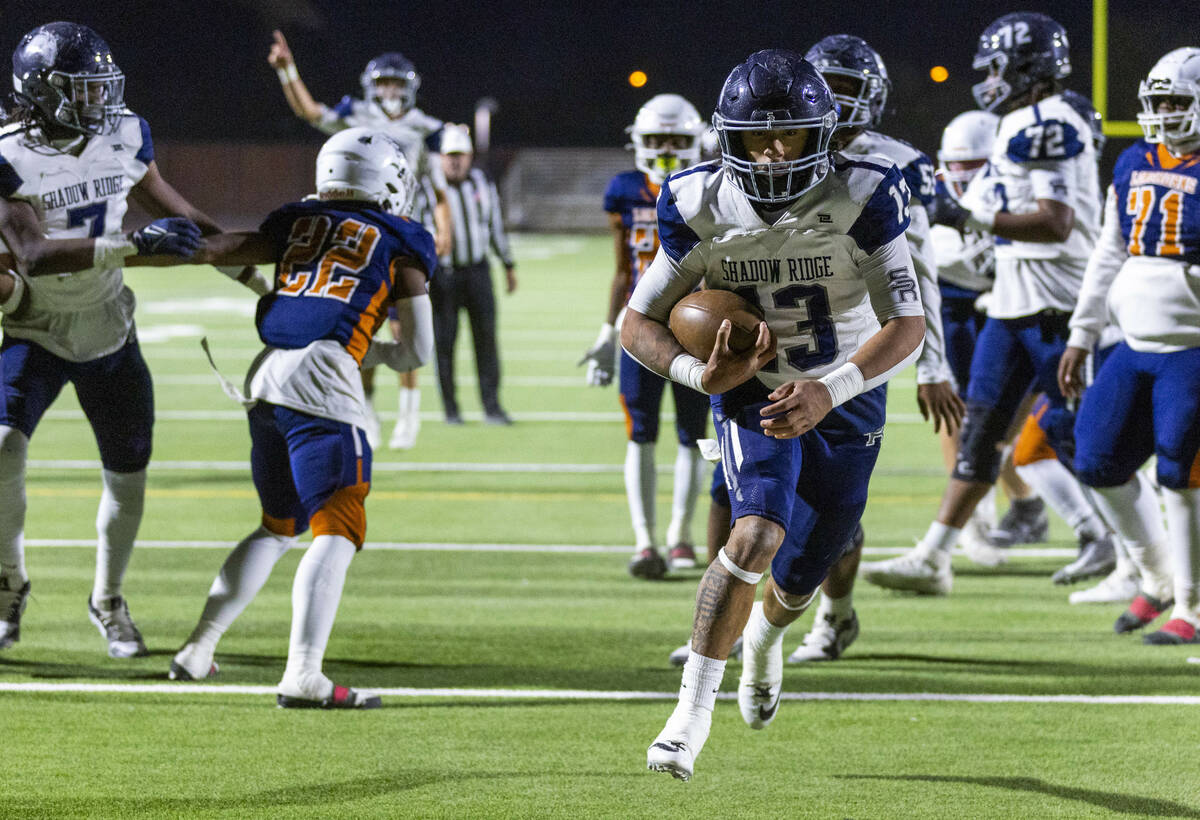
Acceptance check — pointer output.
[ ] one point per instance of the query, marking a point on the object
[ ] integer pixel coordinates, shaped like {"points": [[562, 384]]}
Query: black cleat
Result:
{"points": [[342, 698], [1025, 522], [1097, 556], [648, 564]]}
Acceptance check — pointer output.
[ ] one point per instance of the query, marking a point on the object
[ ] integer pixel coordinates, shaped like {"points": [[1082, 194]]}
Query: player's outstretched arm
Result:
{"points": [[294, 90], [236, 248]]}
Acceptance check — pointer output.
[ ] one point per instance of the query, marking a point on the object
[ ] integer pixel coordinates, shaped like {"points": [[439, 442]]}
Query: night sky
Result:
{"points": [[197, 70]]}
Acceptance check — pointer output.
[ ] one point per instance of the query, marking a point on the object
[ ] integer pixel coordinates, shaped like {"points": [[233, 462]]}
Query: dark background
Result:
{"points": [[197, 71]]}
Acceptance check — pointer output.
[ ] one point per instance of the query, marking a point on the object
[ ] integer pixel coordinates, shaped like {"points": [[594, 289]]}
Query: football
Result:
{"points": [[696, 318]]}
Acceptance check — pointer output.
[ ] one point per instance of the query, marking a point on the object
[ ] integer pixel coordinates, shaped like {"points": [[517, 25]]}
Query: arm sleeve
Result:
{"points": [[1049, 182], [1110, 253], [664, 283], [415, 345], [891, 281], [931, 366], [499, 237]]}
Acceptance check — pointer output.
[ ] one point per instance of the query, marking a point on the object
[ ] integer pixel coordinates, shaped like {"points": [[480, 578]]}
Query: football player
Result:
{"points": [[665, 140], [70, 158], [1041, 202], [389, 94], [1145, 272], [341, 259], [789, 225]]}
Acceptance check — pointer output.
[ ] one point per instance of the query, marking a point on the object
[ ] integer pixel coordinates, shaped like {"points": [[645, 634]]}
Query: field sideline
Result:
{"points": [[524, 672]]}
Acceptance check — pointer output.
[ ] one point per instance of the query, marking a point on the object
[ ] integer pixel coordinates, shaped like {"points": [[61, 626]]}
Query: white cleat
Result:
{"points": [[192, 663], [404, 435], [827, 640], [915, 571], [975, 545], [675, 749], [760, 687], [1118, 587], [118, 628], [679, 656]]}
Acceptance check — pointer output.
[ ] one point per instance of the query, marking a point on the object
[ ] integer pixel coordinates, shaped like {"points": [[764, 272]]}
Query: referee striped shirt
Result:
{"points": [[477, 221]]}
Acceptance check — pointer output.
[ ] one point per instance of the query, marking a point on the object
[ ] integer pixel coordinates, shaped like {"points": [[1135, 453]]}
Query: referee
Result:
{"points": [[464, 278]]}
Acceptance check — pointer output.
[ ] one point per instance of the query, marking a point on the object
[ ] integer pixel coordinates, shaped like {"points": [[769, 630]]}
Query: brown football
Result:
{"points": [[696, 318]]}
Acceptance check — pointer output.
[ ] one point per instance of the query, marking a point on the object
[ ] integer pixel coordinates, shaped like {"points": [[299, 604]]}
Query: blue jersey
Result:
{"points": [[1158, 202], [336, 272], [633, 197]]}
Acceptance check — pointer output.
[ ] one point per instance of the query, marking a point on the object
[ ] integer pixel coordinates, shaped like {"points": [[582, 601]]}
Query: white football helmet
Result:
{"points": [[668, 115], [1177, 74], [365, 164], [967, 138]]}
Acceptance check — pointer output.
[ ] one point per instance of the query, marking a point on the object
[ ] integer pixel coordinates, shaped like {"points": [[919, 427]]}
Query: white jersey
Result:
{"points": [[827, 272], [88, 314], [418, 133], [917, 171], [1042, 151], [965, 261]]}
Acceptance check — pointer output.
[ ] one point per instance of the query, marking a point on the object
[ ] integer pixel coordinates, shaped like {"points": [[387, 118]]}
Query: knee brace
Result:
{"points": [[979, 454]]}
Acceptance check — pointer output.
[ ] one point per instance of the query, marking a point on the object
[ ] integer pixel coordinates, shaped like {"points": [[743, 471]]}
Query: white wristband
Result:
{"points": [[110, 251], [981, 220], [687, 370], [608, 334], [844, 383], [287, 74]]}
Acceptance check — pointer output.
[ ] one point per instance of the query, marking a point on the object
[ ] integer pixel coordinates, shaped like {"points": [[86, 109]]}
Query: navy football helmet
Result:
{"points": [[866, 78], [1018, 51], [396, 67], [66, 74], [775, 89], [1084, 108]]}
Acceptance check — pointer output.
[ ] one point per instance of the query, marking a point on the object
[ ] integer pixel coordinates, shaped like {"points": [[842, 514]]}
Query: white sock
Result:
{"points": [[701, 681], [840, 608], [1063, 492], [758, 638], [639, 489], [241, 577], [1132, 511], [13, 448], [316, 593], [985, 511], [1183, 535], [689, 468], [938, 541], [117, 523]]}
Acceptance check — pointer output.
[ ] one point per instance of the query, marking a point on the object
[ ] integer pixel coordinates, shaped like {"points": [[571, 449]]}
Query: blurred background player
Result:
{"points": [[665, 139], [1042, 204], [309, 455], [464, 278], [69, 159], [1145, 272], [389, 87], [799, 413]]}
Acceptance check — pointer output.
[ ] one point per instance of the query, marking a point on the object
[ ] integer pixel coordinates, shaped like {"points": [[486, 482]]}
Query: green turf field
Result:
{"points": [[564, 631]]}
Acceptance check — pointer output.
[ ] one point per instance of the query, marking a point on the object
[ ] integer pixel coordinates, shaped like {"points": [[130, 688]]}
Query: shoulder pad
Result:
{"points": [[884, 197], [1045, 141], [679, 199]]}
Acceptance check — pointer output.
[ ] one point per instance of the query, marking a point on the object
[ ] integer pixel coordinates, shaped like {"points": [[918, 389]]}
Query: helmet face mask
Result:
{"points": [[367, 165], [391, 82], [65, 73], [665, 136], [775, 90], [1019, 51], [856, 74], [1170, 98]]}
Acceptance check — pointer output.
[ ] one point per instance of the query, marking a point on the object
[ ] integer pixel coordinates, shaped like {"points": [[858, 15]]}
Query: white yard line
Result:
{"points": [[570, 416], [454, 546], [601, 695]]}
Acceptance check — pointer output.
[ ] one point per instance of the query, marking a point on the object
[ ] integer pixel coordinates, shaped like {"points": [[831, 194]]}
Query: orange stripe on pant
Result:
{"points": [[628, 418], [279, 526], [344, 514], [1194, 474], [1032, 445]]}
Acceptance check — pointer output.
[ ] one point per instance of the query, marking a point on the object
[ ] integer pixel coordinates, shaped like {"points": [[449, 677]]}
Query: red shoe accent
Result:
{"points": [[1180, 628], [1143, 609], [340, 694]]}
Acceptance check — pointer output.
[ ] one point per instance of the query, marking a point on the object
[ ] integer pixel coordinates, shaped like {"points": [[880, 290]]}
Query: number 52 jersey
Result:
{"points": [[826, 273], [334, 281]]}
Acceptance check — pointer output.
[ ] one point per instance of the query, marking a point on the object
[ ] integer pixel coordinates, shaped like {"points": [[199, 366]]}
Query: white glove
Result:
{"points": [[983, 301], [601, 357]]}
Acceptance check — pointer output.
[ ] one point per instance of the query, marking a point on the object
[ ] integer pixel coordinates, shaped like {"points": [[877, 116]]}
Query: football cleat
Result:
{"points": [[675, 749], [975, 545], [1143, 609], [1118, 586], [760, 686], [1026, 522], [1097, 556], [497, 418], [827, 639], [341, 698], [1174, 632], [192, 663], [679, 656], [682, 556], [648, 564], [118, 628], [404, 435], [12, 604], [915, 571]]}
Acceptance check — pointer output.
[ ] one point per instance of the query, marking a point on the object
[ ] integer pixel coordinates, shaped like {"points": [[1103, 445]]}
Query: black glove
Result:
{"points": [[171, 236]]}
